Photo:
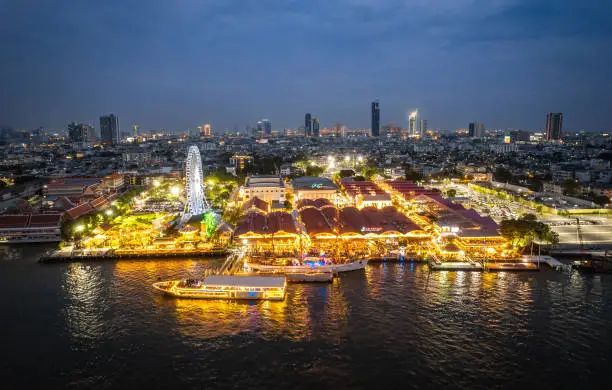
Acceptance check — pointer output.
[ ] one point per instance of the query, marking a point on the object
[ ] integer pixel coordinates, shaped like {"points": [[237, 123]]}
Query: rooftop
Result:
{"points": [[245, 281], [313, 183]]}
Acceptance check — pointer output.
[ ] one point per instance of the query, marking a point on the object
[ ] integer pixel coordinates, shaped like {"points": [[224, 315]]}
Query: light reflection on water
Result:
{"points": [[398, 322]]}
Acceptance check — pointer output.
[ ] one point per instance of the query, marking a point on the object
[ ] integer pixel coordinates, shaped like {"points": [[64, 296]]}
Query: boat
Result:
{"points": [[226, 287], [309, 265]]}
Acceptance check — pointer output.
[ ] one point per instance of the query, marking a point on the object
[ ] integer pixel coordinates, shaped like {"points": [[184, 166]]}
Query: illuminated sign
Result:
{"points": [[507, 139], [370, 229], [317, 186]]}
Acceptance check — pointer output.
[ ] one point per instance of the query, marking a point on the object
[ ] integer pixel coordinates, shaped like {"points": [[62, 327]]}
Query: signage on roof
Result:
{"points": [[317, 186], [370, 229]]}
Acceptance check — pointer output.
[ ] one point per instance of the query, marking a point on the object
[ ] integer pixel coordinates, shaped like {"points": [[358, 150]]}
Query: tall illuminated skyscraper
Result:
{"points": [[375, 119], [554, 125], [413, 121], [315, 127], [308, 124]]}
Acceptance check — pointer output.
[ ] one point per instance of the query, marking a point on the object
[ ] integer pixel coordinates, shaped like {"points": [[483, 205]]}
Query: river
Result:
{"points": [[101, 326]]}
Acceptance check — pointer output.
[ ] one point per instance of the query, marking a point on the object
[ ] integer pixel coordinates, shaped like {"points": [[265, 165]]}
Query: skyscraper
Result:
{"points": [[423, 127], [315, 127], [476, 130], [80, 132], [109, 129], [308, 124], [413, 123], [554, 125], [266, 126], [375, 119], [206, 130]]}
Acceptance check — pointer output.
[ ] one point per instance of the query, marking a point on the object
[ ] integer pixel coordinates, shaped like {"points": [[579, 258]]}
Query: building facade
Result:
{"points": [[109, 129], [268, 188], [308, 124], [554, 126], [375, 119]]}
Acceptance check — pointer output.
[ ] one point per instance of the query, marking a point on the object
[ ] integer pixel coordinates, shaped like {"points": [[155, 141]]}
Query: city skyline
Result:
{"points": [[171, 77]]}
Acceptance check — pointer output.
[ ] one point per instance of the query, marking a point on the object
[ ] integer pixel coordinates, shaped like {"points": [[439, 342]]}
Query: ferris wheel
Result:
{"points": [[196, 202]]}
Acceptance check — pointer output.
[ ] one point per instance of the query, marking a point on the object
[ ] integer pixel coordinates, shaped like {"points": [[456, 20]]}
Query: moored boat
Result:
{"points": [[226, 287], [309, 266]]}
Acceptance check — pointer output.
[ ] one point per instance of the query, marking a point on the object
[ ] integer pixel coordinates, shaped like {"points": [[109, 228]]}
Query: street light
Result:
{"points": [[156, 183], [79, 228], [109, 212], [175, 190]]}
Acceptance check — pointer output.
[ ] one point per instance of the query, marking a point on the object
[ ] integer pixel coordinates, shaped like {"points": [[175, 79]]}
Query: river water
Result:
{"points": [[101, 326]]}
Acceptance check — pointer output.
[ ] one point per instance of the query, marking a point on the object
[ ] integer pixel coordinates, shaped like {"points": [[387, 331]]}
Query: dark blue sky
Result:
{"points": [[178, 63]]}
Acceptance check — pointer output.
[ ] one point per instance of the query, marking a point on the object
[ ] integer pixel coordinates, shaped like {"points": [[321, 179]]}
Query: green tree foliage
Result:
{"points": [[451, 193], [211, 223], [601, 200], [413, 176], [522, 230], [570, 187], [314, 170], [502, 175], [369, 172]]}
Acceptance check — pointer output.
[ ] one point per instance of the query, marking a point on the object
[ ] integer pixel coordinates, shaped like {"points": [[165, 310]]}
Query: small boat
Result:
{"points": [[226, 287]]}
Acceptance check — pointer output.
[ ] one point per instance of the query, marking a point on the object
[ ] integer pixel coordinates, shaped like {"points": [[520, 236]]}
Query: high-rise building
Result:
{"points": [[375, 119], [476, 130], [308, 124], [554, 125], [206, 130], [194, 132], [315, 127], [80, 132], [471, 129], [423, 127], [413, 123], [266, 126], [109, 129]]}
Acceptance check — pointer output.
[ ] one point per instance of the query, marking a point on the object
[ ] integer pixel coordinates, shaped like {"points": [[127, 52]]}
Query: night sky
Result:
{"points": [[174, 64]]}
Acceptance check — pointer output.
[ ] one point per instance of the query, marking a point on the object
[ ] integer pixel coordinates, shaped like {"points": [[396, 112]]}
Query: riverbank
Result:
{"points": [[78, 255]]}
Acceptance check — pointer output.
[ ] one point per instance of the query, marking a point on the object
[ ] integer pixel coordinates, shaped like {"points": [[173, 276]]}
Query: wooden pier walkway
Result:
{"points": [[78, 255]]}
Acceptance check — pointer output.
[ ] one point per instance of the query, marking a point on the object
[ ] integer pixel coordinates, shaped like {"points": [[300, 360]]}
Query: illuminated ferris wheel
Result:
{"points": [[194, 184]]}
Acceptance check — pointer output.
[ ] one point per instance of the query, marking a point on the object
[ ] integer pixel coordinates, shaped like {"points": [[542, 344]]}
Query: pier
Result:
{"points": [[78, 255]]}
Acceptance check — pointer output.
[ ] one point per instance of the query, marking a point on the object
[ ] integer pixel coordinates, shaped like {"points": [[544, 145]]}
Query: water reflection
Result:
{"points": [[308, 311], [84, 311]]}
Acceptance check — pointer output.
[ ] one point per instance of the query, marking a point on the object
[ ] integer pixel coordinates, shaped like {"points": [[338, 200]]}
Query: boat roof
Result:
{"points": [[245, 281]]}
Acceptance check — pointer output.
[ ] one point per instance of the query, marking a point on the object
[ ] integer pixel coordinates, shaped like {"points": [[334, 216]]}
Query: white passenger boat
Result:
{"points": [[309, 265], [226, 287]]}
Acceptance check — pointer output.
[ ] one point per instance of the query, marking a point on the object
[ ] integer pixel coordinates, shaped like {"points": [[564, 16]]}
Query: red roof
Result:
{"points": [[99, 203], [280, 221], [355, 188], [79, 210], [315, 221], [255, 203], [14, 221], [318, 203], [45, 220], [29, 220]]}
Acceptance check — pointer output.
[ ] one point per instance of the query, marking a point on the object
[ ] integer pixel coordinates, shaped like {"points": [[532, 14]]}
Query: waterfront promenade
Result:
{"points": [[70, 255]]}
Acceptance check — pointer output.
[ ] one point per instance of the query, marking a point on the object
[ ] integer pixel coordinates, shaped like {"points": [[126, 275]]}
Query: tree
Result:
{"points": [[521, 231], [503, 175], [601, 200], [369, 172], [570, 187], [451, 193], [313, 170], [414, 176]]}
